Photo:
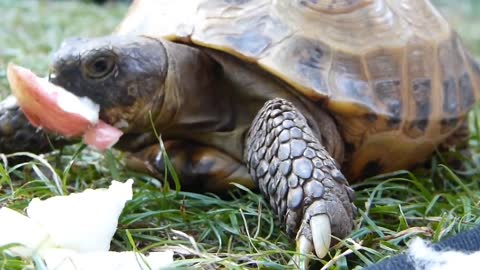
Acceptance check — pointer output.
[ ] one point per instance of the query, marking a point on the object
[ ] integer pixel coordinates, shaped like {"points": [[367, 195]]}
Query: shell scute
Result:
{"points": [[389, 94], [466, 88], [250, 35], [334, 6], [421, 106], [249, 43], [451, 102], [452, 67], [349, 83], [308, 61], [420, 82], [385, 69]]}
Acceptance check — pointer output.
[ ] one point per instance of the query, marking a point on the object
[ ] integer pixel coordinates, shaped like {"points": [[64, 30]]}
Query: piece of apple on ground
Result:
{"points": [[83, 221], [26, 236], [63, 259]]}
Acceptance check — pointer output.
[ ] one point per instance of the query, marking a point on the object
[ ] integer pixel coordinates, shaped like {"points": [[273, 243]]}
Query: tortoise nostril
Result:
{"points": [[51, 76]]}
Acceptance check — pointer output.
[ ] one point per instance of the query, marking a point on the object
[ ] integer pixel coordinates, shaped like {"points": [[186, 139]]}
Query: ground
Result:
{"points": [[241, 232]]}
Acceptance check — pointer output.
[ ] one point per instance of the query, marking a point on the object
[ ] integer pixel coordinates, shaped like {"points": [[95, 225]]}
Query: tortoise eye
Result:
{"points": [[100, 67]]}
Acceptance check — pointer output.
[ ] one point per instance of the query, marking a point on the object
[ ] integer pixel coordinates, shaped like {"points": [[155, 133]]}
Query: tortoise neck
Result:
{"points": [[192, 99]]}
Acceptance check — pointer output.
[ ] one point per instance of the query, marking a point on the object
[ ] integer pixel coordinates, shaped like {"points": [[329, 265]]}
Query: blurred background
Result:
{"points": [[31, 30], [465, 17]]}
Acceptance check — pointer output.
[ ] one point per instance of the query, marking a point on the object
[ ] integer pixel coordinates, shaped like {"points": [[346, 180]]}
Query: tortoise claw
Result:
{"points": [[321, 234], [304, 247], [320, 228]]}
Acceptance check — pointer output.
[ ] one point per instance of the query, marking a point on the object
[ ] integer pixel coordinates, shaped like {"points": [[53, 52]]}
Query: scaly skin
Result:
{"points": [[17, 134], [298, 176]]}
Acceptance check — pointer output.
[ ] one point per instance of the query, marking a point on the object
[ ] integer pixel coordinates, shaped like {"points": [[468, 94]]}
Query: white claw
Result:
{"points": [[304, 246], [304, 249], [321, 234]]}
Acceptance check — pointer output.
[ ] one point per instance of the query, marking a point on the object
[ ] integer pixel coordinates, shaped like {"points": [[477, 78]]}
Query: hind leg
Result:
{"points": [[458, 140], [456, 147]]}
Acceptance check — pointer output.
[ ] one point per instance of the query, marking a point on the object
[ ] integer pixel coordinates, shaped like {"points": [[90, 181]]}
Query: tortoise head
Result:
{"points": [[124, 75]]}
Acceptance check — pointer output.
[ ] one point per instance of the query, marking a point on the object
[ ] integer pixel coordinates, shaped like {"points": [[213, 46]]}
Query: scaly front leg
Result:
{"points": [[18, 135], [299, 178]]}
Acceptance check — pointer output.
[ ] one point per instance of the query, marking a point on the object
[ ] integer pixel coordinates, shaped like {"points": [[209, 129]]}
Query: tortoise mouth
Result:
{"points": [[101, 114], [116, 118]]}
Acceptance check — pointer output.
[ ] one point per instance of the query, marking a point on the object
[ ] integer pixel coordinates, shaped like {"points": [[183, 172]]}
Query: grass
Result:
{"points": [[241, 232]]}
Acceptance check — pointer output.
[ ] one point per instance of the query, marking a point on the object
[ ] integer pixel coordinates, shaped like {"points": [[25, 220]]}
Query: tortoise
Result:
{"points": [[290, 97]]}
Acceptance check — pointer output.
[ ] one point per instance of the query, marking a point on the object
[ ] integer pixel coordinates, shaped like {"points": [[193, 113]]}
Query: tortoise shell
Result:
{"points": [[386, 69]]}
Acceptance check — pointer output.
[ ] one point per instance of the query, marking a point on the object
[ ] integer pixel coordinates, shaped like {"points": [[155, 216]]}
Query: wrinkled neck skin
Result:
{"points": [[188, 101], [192, 99]]}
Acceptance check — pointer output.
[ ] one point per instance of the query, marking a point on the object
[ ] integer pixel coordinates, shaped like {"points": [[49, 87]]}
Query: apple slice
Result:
{"points": [[53, 108], [102, 136], [84, 221]]}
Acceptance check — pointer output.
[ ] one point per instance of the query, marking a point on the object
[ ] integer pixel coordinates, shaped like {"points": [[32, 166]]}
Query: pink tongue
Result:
{"points": [[39, 100]]}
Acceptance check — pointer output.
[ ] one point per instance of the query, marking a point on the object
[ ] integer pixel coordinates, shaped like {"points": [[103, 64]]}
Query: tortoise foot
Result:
{"points": [[299, 178], [18, 135], [198, 167]]}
